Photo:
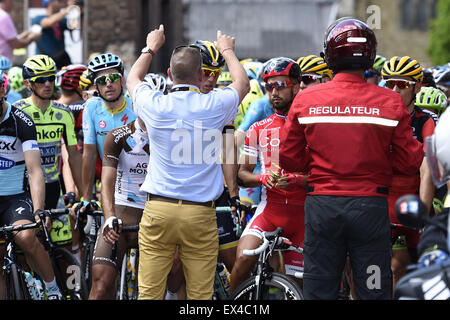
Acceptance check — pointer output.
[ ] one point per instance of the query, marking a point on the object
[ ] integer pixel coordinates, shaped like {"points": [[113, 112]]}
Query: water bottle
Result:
{"points": [[31, 286]]}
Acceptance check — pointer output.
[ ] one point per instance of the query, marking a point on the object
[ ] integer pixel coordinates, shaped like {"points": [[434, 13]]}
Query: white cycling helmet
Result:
{"points": [[438, 151], [157, 82]]}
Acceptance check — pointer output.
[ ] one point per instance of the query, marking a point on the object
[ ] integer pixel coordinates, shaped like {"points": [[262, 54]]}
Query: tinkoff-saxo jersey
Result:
{"points": [[52, 125], [127, 149], [17, 135], [98, 120]]}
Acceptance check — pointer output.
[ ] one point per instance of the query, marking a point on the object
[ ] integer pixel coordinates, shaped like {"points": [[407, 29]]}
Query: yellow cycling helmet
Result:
{"points": [[402, 66], [85, 82], [314, 64], [38, 65], [211, 57]]}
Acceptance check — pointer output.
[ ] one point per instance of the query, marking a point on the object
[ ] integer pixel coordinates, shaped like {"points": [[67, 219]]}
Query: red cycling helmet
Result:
{"points": [[281, 66], [349, 44], [69, 77]]}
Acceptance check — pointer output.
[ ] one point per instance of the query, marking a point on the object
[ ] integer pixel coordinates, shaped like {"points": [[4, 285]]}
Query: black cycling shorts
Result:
{"points": [[16, 207], [52, 194]]}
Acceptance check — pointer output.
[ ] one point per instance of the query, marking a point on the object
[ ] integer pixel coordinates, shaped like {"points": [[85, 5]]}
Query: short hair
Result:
{"points": [[185, 63]]}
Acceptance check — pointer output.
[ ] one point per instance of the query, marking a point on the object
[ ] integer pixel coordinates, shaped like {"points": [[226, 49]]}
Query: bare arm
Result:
{"points": [[427, 187], [225, 45], [247, 165], [88, 170], [36, 178], [108, 182], [75, 163], [155, 40], [67, 173], [54, 18], [229, 164], [24, 39]]}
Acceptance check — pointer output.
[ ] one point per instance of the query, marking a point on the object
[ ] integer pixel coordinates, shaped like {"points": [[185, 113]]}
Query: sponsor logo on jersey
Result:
{"points": [[58, 116], [356, 110], [6, 163], [8, 145], [23, 117], [43, 134], [102, 124]]}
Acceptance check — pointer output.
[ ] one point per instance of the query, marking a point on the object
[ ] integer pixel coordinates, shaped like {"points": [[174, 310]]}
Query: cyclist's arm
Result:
{"points": [[75, 163], [36, 178], [247, 165], [88, 170], [69, 183], [109, 175], [427, 187]]}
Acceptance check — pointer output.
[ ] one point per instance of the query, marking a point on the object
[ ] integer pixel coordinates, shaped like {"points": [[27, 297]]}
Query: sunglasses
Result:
{"points": [[277, 85], [310, 78], [399, 83], [43, 79], [185, 46], [370, 74], [113, 77], [211, 72]]}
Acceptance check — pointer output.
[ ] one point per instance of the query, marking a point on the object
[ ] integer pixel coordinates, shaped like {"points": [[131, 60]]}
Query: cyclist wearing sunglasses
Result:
{"points": [[19, 150], [54, 123], [350, 136], [314, 71], [283, 193], [404, 75], [111, 109]]}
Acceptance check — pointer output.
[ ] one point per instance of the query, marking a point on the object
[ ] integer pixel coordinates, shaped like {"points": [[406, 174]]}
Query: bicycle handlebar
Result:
{"points": [[20, 227], [255, 252], [130, 228]]}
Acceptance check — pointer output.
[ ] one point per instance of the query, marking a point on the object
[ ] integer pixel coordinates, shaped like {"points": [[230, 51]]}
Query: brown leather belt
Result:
{"points": [[179, 201]]}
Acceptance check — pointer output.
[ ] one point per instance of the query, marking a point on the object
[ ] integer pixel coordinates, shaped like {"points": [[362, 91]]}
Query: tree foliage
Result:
{"points": [[439, 36]]}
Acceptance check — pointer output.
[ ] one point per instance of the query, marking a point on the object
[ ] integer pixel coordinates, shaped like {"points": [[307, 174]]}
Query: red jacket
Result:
{"points": [[357, 135]]}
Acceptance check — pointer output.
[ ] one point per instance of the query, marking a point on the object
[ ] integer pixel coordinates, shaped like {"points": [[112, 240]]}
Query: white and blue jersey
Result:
{"points": [[17, 135], [98, 120]]}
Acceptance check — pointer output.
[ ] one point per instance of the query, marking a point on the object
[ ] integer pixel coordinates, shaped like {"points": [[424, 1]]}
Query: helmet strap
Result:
{"points": [[2, 101]]}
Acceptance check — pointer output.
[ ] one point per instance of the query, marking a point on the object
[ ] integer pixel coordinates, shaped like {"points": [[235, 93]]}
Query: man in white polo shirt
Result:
{"points": [[184, 176]]}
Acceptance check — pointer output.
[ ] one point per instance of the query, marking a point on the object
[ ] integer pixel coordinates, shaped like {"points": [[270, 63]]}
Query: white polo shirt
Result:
{"points": [[185, 132]]}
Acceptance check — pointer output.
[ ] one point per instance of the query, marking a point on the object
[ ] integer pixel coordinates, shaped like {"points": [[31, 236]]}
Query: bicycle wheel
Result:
{"points": [[278, 287], [69, 275]]}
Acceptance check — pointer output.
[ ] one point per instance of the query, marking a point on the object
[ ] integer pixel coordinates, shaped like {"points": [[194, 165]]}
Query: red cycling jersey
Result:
{"points": [[278, 208], [263, 140], [357, 135]]}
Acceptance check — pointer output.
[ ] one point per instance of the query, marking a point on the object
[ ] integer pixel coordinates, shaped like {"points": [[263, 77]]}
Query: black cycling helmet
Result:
{"points": [[281, 66], [211, 57]]}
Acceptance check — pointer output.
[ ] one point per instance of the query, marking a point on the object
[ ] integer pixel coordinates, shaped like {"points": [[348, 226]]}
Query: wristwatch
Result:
{"points": [[146, 49]]}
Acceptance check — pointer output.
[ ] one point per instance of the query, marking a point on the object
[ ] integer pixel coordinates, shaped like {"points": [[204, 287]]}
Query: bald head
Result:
{"points": [[185, 65]]}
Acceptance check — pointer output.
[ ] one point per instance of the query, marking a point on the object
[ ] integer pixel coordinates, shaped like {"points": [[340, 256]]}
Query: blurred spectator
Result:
{"points": [[9, 39], [53, 24]]}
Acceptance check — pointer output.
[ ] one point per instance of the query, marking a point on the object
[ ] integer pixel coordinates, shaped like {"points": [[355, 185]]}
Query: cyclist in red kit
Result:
{"points": [[283, 193]]}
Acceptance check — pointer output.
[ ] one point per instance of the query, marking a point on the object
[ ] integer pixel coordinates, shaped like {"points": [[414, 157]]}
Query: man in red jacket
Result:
{"points": [[356, 135]]}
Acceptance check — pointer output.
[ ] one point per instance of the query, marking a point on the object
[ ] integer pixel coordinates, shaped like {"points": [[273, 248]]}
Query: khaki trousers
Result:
{"points": [[193, 228]]}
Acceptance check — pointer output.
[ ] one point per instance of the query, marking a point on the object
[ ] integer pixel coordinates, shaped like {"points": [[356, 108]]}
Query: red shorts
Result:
{"points": [[290, 217]]}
